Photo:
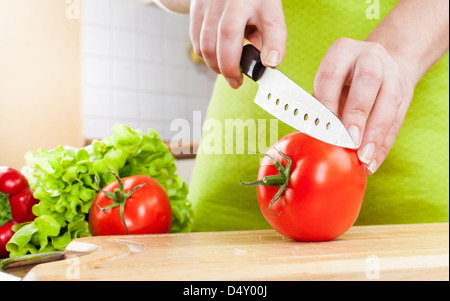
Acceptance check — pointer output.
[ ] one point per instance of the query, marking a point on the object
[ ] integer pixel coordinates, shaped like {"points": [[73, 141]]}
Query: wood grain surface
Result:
{"points": [[388, 252]]}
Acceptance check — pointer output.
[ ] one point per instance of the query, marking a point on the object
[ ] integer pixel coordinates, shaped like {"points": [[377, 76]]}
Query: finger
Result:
{"points": [[343, 100], [366, 82], [253, 35], [381, 120], [386, 146], [272, 27], [334, 71], [197, 12], [229, 44], [208, 34]]}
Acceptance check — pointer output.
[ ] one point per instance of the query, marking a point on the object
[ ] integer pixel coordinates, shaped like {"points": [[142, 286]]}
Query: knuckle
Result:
{"points": [[383, 150], [395, 127], [343, 43], [330, 72], [358, 112], [276, 20], [370, 72], [207, 44], [227, 30], [382, 128], [396, 99], [377, 48]]}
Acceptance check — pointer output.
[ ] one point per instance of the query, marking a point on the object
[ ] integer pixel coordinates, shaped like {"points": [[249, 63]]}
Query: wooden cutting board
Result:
{"points": [[390, 252]]}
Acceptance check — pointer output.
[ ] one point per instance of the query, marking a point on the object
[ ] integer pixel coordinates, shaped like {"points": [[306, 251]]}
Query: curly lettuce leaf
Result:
{"points": [[66, 180], [63, 180], [74, 230], [44, 235]]}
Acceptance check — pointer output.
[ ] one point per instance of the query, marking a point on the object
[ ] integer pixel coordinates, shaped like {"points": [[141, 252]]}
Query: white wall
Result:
{"points": [[137, 68]]}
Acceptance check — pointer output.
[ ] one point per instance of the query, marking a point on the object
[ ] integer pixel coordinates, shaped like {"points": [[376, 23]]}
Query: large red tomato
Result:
{"points": [[320, 197], [132, 205]]}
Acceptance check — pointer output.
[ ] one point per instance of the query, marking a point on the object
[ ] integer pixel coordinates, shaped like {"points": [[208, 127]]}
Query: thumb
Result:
{"points": [[274, 35]]}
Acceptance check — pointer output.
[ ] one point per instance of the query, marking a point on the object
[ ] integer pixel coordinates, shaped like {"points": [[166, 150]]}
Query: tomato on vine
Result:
{"points": [[16, 203], [132, 205], [310, 190]]}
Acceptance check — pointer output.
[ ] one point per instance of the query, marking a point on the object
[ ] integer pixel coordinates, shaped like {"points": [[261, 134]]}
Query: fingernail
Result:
{"points": [[372, 167], [272, 58], [365, 154], [353, 130]]}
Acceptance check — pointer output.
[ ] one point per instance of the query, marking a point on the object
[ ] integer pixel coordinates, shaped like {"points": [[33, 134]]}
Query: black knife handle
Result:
{"points": [[251, 62]]}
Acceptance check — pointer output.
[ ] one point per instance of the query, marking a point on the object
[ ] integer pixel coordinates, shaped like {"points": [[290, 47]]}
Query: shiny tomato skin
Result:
{"points": [[325, 191], [6, 233], [11, 180], [147, 211], [21, 206], [21, 199]]}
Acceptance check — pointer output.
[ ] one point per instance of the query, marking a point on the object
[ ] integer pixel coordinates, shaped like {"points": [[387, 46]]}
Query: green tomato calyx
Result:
{"points": [[280, 180], [119, 198]]}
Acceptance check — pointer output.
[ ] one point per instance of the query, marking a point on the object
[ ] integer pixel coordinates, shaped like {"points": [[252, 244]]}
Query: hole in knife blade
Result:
{"points": [[269, 96], [286, 107], [305, 117], [278, 101], [295, 112], [328, 125], [316, 122]]}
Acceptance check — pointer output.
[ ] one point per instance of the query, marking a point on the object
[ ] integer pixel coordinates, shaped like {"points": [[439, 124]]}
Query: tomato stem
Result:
{"points": [[119, 198], [280, 180]]}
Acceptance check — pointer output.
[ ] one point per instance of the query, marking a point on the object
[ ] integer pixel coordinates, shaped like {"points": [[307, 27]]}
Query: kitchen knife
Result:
{"points": [[75, 248], [285, 100]]}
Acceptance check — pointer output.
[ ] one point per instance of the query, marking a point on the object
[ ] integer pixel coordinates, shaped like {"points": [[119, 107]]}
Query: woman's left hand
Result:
{"points": [[370, 90]]}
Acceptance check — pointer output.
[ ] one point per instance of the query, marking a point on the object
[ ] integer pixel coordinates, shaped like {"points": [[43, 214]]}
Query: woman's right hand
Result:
{"points": [[218, 29]]}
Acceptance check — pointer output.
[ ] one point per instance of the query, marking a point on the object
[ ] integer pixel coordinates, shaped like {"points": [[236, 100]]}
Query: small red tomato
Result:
{"points": [[11, 180], [5, 235], [21, 200], [132, 205], [310, 190], [21, 206]]}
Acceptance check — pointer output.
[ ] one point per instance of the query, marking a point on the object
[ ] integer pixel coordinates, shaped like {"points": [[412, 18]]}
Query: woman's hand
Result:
{"points": [[218, 29], [370, 84], [370, 90]]}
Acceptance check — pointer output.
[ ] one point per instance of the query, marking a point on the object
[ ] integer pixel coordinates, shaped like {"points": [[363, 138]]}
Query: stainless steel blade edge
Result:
{"points": [[285, 100]]}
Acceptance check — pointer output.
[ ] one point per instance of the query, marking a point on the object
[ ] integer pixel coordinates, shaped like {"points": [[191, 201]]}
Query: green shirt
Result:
{"points": [[411, 186]]}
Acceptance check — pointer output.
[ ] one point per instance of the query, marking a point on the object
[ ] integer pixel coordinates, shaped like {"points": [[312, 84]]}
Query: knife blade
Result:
{"points": [[284, 99]]}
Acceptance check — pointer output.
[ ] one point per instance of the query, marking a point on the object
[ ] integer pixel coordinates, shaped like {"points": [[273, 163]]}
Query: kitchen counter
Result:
{"points": [[388, 252]]}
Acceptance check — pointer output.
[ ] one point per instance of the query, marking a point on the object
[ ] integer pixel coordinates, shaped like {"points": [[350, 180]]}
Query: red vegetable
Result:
{"points": [[132, 205], [14, 187], [5, 235], [310, 190]]}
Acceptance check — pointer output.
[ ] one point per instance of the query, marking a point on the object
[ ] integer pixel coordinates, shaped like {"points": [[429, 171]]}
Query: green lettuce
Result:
{"points": [[44, 235], [65, 180]]}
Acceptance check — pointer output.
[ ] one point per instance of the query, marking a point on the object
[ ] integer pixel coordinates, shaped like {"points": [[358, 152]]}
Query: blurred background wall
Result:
{"points": [[138, 68], [40, 77], [70, 69]]}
